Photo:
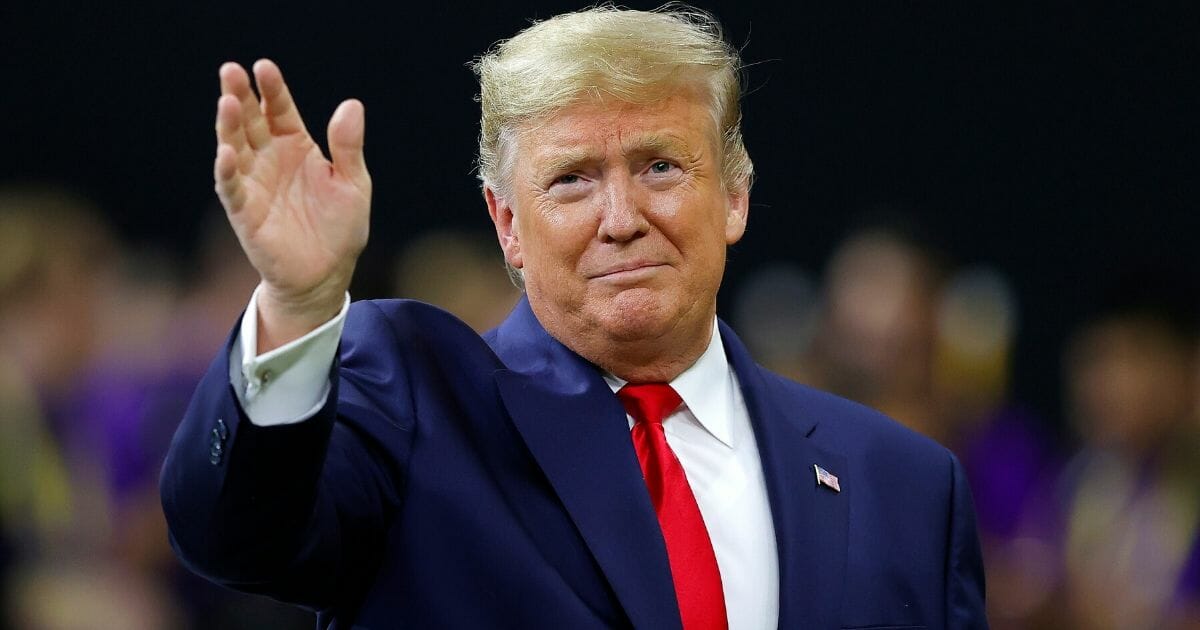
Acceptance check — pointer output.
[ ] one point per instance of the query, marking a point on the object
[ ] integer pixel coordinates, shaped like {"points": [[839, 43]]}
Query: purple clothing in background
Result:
{"points": [[1188, 587], [125, 416], [1013, 469]]}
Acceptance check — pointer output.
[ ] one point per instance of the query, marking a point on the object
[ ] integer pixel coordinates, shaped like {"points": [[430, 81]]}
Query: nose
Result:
{"points": [[622, 210]]}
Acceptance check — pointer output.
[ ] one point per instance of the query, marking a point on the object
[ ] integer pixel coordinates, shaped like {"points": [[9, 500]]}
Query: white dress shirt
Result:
{"points": [[710, 434]]}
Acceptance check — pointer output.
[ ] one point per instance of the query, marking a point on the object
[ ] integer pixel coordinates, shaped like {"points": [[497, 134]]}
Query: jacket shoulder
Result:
{"points": [[403, 315], [408, 327], [405, 346], [857, 430]]}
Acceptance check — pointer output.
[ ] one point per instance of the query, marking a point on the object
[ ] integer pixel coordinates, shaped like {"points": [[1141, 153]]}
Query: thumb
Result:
{"points": [[345, 135]]}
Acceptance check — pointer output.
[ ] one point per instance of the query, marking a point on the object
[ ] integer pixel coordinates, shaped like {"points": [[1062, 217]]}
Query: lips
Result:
{"points": [[628, 270]]}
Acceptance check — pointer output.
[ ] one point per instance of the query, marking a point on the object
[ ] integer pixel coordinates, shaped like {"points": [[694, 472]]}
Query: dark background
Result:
{"points": [[1057, 143]]}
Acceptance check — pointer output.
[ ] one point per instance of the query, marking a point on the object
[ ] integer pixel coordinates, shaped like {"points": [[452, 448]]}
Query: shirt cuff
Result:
{"points": [[289, 384]]}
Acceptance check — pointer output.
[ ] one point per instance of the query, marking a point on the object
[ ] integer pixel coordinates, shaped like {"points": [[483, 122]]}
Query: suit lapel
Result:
{"points": [[576, 430], [810, 520]]}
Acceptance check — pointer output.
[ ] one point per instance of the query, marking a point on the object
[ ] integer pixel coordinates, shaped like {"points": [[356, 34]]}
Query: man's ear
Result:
{"points": [[507, 230], [736, 213]]}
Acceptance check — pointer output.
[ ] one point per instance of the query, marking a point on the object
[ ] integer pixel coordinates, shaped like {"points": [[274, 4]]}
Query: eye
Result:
{"points": [[661, 166], [569, 178], [568, 187]]}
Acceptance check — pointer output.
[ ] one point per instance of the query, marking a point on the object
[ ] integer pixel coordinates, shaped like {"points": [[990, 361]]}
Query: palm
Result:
{"points": [[301, 218]]}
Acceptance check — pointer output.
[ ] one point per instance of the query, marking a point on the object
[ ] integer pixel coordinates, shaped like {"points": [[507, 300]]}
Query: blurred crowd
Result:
{"points": [[101, 344], [1095, 529]]}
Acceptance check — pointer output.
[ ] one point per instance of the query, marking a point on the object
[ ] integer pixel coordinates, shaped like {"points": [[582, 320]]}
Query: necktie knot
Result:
{"points": [[649, 402]]}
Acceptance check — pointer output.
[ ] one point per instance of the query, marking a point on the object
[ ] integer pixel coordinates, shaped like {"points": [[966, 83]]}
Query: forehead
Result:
{"points": [[596, 126]]}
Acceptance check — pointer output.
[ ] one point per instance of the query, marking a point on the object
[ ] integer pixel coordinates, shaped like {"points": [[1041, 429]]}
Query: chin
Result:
{"points": [[636, 314]]}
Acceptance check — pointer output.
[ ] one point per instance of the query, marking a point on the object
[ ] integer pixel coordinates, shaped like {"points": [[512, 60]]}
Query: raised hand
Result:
{"points": [[302, 219]]}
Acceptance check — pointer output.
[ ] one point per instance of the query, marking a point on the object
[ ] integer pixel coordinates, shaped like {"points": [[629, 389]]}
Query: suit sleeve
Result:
{"points": [[295, 511], [965, 584]]}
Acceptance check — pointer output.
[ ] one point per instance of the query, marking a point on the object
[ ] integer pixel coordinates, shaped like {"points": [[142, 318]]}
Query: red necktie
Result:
{"points": [[693, 564]]}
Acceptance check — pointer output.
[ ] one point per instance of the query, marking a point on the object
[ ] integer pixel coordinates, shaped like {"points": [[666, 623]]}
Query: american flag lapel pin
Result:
{"points": [[827, 479]]}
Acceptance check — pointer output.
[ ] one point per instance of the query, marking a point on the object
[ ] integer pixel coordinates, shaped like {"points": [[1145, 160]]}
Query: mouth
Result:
{"points": [[629, 272]]}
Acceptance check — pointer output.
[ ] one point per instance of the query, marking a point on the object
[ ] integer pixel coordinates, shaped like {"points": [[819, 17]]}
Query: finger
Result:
{"points": [[236, 82], [229, 123], [280, 110], [345, 134], [227, 179]]}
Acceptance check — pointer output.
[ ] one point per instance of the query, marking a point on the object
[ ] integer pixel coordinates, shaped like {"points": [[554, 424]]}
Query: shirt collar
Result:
{"points": [[705, 388]]}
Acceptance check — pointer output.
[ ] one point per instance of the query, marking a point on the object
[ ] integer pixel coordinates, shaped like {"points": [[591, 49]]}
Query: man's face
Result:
{"points": [[618, 219]]}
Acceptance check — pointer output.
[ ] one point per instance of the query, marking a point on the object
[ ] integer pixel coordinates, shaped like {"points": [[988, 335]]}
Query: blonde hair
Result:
{"points": [[634, 56]]}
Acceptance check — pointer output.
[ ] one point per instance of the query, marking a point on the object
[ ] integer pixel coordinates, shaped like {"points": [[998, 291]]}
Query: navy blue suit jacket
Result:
{"points": [[454, 481]]}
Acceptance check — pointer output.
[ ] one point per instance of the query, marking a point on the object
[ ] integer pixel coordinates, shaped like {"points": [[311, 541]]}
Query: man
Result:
{"points": [[425, 477]]}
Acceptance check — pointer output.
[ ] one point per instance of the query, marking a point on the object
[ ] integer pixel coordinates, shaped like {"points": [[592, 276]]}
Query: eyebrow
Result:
{"points": [[570, 158], [656, 143]]}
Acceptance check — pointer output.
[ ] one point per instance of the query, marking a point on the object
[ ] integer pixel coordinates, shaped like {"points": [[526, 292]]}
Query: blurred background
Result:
{"points": [[980, 220]]}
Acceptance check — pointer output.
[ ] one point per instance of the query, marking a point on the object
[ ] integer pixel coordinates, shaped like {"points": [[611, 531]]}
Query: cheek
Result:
{"points": [[557, 235], [699, 232], [712, 246], [567, 218]]}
